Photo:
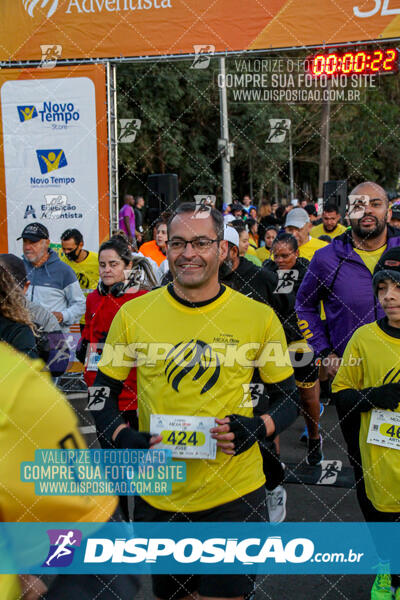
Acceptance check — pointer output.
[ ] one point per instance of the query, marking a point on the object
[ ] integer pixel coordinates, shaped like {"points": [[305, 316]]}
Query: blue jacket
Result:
{"points": [[338, 276], [54, 285]]}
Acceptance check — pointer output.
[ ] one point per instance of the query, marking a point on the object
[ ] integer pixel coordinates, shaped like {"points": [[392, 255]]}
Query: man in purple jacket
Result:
{"points": [[341, 276]]}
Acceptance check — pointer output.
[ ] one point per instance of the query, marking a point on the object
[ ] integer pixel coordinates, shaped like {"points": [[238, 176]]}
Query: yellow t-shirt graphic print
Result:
{"points": [[372, 359], [198, 362]]}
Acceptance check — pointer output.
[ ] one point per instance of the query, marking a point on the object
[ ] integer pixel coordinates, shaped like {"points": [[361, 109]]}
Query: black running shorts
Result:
{"points": [[250, 507]]}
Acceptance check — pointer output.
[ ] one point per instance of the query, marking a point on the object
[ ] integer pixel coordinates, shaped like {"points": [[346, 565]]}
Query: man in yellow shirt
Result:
{"points": [[195, 358], [34, 415], [299, 225], [330, 223], [84, 263]]}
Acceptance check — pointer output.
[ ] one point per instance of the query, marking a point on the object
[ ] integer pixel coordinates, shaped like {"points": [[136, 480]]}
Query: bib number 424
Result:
{"points": [[183, 438]]}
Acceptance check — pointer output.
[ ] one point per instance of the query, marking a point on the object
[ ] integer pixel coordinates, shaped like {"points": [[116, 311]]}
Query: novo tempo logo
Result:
{"points": [[27, 112], [51, 160]]}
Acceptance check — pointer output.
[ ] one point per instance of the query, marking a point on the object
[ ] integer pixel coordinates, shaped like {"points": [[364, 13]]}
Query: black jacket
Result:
{"points": [[287, 313], [19, 336], [256, 283]]}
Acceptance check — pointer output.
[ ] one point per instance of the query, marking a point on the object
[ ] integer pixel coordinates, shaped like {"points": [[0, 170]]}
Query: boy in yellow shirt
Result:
{"points": [[367, 393]]}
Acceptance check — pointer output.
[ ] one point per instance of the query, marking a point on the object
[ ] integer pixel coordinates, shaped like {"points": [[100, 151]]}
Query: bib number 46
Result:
{"points": [[392, 431]]}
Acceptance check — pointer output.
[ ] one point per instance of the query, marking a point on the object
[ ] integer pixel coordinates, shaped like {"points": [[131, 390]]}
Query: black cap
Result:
{"points": [[396, 211], [388, 267], [35, 232], [15, 266]]}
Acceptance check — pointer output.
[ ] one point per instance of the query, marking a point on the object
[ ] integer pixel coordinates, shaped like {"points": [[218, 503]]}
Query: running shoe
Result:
{"points": [[276, 504], [381, 590], [314, 454]]}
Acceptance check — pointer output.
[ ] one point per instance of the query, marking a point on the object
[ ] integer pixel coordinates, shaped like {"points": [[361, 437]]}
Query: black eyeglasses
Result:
{"points": [[198, 244]]}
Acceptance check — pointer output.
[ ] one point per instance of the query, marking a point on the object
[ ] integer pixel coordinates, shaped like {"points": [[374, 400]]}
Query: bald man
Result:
{"points": [[341, 275]]}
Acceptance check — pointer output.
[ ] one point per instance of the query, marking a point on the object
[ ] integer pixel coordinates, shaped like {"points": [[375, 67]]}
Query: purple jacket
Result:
{"points": [[339, 277]]}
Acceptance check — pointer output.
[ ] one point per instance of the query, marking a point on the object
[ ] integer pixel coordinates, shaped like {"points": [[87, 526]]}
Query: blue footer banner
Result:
{"points": [[223, 548]]}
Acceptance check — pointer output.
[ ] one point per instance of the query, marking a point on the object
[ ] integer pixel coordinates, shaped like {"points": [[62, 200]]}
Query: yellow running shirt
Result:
{"points": [[221, 345], [319, 230], [263, 253], [308, 249], [34, 415], [372, 359], [370, 258], [87, 271]]}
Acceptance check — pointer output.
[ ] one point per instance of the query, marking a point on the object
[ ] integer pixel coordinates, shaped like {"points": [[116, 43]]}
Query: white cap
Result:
{"points": [[231, 235], [297, 217]]}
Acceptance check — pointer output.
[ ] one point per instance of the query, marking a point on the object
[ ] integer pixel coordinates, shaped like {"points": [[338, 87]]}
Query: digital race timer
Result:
{"points": [[362, 62]]}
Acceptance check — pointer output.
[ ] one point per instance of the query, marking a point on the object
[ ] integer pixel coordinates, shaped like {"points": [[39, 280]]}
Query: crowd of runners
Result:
{"points": [[252, 316]]}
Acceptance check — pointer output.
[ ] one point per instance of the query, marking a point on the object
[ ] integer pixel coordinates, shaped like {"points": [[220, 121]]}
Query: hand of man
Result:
{"points": [[126, 437], [236, 434], [32, 588], [58, 316], [385, 396], [332, 364]]}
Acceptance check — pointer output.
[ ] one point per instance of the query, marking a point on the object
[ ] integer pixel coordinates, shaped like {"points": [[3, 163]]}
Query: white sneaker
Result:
{"points": [[276, 504]]}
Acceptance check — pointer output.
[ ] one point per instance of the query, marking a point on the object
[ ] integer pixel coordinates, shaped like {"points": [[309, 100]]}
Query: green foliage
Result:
{"points": [[179, 110]]}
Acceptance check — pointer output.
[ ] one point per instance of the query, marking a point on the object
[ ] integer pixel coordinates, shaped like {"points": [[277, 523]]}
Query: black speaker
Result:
{"points": [[162, 194], [335, 192]]}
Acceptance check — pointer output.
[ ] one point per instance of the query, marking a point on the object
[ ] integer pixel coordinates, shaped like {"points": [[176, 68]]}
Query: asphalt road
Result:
{"points": [[305, 503]]}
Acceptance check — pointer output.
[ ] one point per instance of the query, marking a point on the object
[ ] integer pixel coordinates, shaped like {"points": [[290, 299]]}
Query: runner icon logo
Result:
{"points": [[203, 54], [279, 129], [286, 280], [252, 393], [128, 130], [97, 395], [61, 552]]}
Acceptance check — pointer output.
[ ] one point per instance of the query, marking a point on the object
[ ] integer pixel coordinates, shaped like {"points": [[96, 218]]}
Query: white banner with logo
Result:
{"points": [[50, 157]]}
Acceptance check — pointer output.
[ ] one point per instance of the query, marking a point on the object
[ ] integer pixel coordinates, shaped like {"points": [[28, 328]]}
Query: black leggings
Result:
{"points": [[272, 466]]}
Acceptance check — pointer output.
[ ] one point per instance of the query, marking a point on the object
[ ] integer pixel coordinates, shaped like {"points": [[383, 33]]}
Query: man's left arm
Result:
{"points": [[76, 304]]}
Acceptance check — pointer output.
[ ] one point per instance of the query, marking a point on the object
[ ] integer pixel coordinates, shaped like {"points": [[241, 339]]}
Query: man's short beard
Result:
{"points": [[372, 234], [38, 258], [225, 268]]}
